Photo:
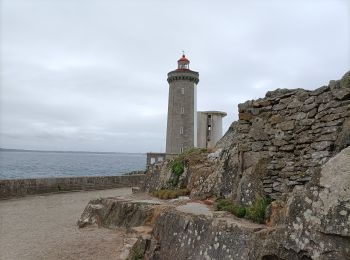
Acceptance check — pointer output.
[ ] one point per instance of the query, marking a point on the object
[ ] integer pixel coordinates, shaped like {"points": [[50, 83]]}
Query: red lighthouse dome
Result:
{"points": [[183, 63]]}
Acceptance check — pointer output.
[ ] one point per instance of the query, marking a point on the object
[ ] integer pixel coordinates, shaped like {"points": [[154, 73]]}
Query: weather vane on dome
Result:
{"points": [[183, 53]]}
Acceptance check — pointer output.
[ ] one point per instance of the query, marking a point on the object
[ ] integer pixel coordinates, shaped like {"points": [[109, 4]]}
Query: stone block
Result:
{"points": [[287, 148], [277, 142], [308, 107], [279, 107], [320, 146], [275, 119], [287, 125], [294, 103], [312, 113], [245, 116], [341, 94]]}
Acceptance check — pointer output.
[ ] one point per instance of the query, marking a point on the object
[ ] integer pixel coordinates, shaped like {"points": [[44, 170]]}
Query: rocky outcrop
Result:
{"points": [[291, 146], [181, 235], [314, 223], [199, 175], [117, 212], [318, 215], [276, 145]]}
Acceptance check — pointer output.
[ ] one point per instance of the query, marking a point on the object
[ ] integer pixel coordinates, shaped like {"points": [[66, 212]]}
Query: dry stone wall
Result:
{"points": [[293, 131]]}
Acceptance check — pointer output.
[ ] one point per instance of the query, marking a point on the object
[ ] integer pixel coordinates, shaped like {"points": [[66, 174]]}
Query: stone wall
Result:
{"points": [[313, 223], [277, 144], [292, 131], [23, 187]]}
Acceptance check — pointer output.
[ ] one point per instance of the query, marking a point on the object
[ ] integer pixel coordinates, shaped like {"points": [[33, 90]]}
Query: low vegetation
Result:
{"points": [[227, 205], [136, 254], [193, 151], [177, 165], [255, 212], [170, 194], [177, 168]]}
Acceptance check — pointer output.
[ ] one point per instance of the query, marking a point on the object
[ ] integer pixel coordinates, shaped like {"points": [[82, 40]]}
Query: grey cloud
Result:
{"points": [[91, 75]]}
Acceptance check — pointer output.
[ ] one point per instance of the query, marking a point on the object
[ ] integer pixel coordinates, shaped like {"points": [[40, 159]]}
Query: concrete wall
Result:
{"points": [[153, 158], [206, 138], [202, 130], [23, 187], [182, 94]]}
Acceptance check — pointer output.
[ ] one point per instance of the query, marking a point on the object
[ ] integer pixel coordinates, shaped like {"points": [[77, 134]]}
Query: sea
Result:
{"points": [[18, 164]]}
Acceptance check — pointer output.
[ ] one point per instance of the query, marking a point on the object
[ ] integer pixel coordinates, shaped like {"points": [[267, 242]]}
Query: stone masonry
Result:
{"points": [[182, 108], [292, 131]]}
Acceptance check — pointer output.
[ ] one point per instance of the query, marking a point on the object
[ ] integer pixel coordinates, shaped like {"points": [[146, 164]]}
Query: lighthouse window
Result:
{"points": [[182, 110], [182, 91], [181, 130]]}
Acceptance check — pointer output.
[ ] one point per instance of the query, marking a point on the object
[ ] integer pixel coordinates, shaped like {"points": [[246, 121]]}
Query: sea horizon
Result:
{"points": [[28, 164], [64, 151]]}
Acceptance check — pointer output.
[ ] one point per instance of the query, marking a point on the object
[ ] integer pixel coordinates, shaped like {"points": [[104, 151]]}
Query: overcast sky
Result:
{"points": [[91, 74]]}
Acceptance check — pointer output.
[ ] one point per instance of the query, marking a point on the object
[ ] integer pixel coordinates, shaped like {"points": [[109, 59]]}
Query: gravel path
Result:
{"points": [[44, 227]]}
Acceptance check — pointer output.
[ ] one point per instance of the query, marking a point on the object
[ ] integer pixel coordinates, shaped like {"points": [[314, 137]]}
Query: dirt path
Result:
{"points": [[44, 227]]}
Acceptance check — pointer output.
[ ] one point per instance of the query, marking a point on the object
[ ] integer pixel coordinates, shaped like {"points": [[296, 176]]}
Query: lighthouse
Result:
{"points": [[187, 128], [182, 108]]}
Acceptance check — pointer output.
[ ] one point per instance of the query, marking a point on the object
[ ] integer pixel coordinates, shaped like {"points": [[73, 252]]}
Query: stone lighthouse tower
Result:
{"points": [[182, 108]]}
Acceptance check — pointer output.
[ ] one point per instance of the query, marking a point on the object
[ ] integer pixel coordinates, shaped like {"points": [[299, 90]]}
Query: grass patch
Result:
{"points": [[227, 205], [193, 151], [240, 211], [136, 255], [170, 194], [255, 212]]}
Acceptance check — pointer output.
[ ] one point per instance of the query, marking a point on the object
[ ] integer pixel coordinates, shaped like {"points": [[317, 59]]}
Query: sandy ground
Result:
{"points": [[44, 227]]}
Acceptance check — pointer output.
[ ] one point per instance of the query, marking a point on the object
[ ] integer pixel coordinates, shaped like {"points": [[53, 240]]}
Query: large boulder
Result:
{"points": [[117, 212], [318, 215]]}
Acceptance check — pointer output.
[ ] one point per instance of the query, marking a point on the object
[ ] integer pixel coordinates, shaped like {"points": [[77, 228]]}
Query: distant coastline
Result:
{"points": [[52, 151]]}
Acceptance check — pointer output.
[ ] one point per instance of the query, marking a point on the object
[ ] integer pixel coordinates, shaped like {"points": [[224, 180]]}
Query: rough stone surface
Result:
{"points": [[199, 175], [314, 223], [291, 146], [117, 212], [293, 131], [318, 215]]}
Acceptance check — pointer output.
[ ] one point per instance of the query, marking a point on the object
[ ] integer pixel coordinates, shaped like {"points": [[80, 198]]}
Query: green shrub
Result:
{"points": [[256, 212], [227, 205], [223, 204], [240, 211], [170, 194], [177, 167], [136, 254]]}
